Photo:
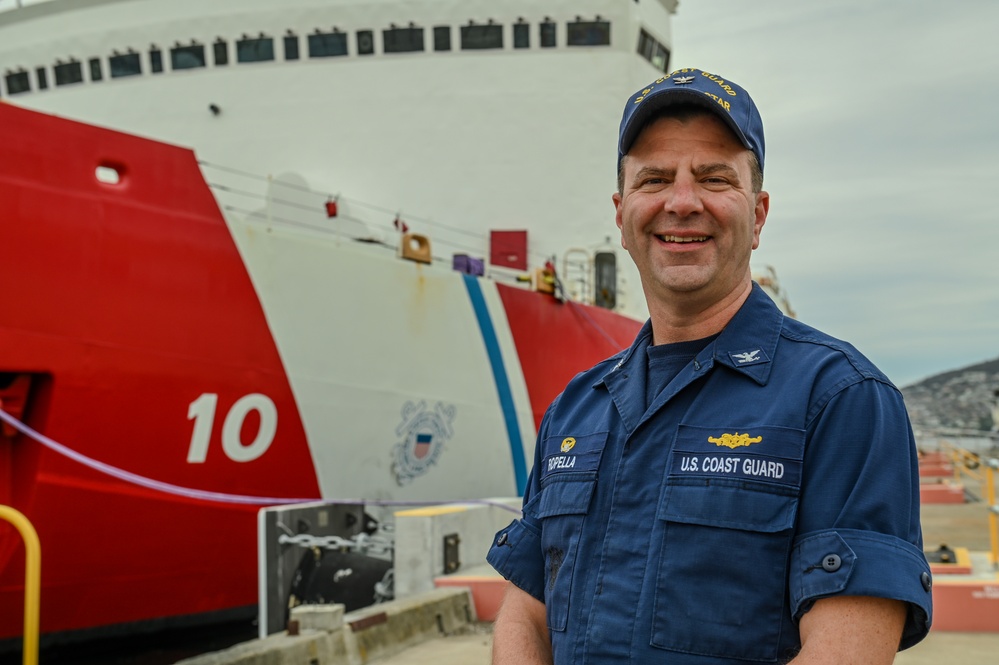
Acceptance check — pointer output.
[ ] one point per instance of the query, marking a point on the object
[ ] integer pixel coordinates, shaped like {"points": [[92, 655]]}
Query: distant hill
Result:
{"points": [[961, 399]]}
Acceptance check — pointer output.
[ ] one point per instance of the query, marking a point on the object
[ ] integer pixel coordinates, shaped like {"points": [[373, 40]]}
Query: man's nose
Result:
{"points": [[683, 198]]}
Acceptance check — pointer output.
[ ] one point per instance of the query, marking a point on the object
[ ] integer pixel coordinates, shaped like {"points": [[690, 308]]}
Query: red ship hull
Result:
{"points": [[120, 304]]}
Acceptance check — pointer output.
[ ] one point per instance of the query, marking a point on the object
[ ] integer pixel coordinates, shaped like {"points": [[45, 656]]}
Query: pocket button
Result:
{"points": [[831, 563]]}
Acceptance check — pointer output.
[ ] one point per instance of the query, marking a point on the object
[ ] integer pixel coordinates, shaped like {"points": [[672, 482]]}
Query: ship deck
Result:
{"points": [[474, 647]]}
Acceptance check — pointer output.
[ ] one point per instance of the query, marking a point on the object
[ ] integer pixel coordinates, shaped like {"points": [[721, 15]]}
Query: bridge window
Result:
{"points": [[17, 82], [442, 38], [67, 73], [365, 42], [521, 35], [589, 33], [156, 61], [324, 45], [650, 49], [188, 57], [394, 39], [402, 40], [291, 47], [220, 52], [122, 64], [546, 33], [254, 49], [481, 36]]}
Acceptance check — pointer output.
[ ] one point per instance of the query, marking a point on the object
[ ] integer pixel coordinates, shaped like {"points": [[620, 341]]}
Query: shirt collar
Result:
{"points": [[749, 341], [747, 344]]}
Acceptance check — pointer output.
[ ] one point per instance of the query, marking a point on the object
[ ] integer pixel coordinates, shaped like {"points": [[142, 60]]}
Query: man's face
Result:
{"points": [[687, 212]]}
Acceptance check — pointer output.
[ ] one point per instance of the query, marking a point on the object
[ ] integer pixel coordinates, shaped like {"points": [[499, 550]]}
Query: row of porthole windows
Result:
{"points": [[319, 44]]}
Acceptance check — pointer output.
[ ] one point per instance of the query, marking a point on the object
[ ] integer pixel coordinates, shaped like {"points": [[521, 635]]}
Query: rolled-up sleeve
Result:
{"points": [[858, 524], [516, 555], [860, 563]]}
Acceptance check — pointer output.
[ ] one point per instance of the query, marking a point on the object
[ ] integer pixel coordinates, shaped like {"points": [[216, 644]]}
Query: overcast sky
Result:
{"points": [[882, 162]]}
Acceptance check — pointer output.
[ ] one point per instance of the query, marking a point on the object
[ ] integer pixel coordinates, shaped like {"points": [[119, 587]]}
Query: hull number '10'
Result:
{"points": [[202, 411]]}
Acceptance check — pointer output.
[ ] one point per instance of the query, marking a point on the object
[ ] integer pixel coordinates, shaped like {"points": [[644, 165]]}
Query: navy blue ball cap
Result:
{"points": [[729, 101]]}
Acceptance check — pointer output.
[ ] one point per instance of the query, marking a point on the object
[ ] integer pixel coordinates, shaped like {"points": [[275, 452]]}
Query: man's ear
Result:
{"points": [[617, 199], [761, 211]]}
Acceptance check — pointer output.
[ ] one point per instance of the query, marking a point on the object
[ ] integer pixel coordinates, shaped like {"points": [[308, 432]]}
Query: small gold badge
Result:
{"points": [[567, 444], [732, 440]]}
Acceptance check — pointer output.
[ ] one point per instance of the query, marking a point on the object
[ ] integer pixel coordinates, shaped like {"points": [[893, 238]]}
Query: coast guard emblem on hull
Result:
{"points": [[423, 433], [734, 441]]}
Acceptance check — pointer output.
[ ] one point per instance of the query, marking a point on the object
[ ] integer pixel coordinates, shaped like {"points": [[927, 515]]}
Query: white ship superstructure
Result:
{"points": [[192, 334], [457, 117]]}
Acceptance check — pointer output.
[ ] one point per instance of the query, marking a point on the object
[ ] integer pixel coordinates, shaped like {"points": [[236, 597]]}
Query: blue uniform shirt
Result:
{"points": [[778, 467]]}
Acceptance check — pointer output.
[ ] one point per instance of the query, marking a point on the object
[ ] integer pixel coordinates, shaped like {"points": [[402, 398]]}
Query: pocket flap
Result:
{"points": [[731, 506], [567, 495]]}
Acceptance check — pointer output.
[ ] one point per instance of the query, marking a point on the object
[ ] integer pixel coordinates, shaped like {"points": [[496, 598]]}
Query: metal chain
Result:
{"points": [[362, 542], [385, 590]]}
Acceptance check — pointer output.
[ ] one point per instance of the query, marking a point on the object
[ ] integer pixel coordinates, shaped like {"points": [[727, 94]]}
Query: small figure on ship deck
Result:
{"points": [[735, 487]]}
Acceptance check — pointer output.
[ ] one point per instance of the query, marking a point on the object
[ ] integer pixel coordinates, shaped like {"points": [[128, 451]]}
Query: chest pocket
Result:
{"points": [[727, 516], [568, 479]]}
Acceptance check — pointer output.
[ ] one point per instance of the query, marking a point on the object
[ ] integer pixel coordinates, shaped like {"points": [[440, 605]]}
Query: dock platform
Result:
{"points": [[448, 621]]}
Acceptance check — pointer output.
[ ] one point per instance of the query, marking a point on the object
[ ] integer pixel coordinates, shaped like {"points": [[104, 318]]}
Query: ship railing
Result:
{"points": [[32, 581], [970, 466], [383, 241], [289, 201], [577, 274], [966, 464], [293, 203], [990, 497]]}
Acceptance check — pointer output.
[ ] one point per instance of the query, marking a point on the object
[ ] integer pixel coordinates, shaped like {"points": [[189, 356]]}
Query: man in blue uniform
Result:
{"points": [[736, 487]]}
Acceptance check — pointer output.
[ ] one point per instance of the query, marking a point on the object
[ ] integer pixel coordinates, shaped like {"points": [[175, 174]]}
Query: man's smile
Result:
{"points": [[682, 239]]}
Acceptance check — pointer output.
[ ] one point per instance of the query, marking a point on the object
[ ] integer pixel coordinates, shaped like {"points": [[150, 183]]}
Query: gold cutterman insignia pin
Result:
{"points": [[732, 440], [567, 444]]}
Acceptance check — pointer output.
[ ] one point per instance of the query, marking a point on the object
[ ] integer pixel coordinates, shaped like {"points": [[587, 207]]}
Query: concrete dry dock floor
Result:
{"points": [[470, 644], [470, 647], [963, 525], [473, 648], [941, 648]]}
